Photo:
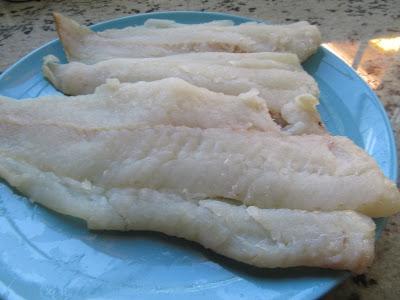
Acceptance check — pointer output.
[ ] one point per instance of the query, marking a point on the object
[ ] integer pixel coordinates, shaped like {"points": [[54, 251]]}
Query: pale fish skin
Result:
{"points": [[289, 92], [164, 37], [260, 237]]}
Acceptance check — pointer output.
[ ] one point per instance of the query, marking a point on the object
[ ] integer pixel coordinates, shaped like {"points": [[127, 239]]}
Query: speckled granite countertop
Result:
{"points": [[347, 27]]}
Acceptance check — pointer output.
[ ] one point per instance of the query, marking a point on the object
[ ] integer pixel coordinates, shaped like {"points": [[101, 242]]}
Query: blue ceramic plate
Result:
{"points": [[45, 255]]}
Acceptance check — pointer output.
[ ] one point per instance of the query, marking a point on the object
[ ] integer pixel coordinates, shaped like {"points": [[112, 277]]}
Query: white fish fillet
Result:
{"points": [[170, 101], [260, 237], [309, 172], [163, 37], [288, 90]]}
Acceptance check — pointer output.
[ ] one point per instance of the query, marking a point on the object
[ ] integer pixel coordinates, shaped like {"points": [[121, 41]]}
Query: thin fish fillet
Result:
{"points": [[170, 101], [288, 90], [163, 37], [267, 170], [260, 237]]}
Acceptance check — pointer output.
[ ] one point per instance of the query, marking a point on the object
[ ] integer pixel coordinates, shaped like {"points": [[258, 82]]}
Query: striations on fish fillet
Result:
{"points": [[260, 237], [170, 101], [286, 88], [310, 172]]}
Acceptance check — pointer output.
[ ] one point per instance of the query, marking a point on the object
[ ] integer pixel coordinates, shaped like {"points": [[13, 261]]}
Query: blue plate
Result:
{"points": [[45, 255]]}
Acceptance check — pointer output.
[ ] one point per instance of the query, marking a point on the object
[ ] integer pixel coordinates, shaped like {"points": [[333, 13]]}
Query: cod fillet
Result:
{"points": [[164, 37], [137, 135], [260, 237], [169, 101], [289, 92]]}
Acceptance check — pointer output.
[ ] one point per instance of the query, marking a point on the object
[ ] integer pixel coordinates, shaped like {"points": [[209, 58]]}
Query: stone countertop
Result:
{"points": [[347, 28]]}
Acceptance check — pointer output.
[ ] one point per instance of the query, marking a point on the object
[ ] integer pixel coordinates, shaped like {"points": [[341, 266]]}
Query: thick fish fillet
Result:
{"points": [[310, 172], [170, 101], [163, 37], [260, 237], [288, 90]]}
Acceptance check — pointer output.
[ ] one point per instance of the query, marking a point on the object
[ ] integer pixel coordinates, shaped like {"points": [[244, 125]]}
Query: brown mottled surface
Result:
{"points": [[347, 27]]}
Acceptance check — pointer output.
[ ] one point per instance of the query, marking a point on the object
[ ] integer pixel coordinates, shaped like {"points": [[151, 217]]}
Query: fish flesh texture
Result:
{"points": [[164, 37], [157, 170], [259, 237], [264, 169], [253, 168], [151, 135], [169, 101], [287, 89]]}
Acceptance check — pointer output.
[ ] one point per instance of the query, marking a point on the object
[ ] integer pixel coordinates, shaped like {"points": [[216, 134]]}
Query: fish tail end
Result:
{"points": [[71, 34]]}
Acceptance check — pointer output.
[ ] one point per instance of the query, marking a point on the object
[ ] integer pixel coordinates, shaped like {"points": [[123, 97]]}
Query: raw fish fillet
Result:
{"points": [[264, 169], [128, 158], [170, 101], [288, 90], [164, 37], [260, 237]]}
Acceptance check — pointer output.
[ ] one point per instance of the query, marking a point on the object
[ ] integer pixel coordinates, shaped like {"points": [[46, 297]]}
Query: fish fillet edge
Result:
{"points": [[260, 237]]}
